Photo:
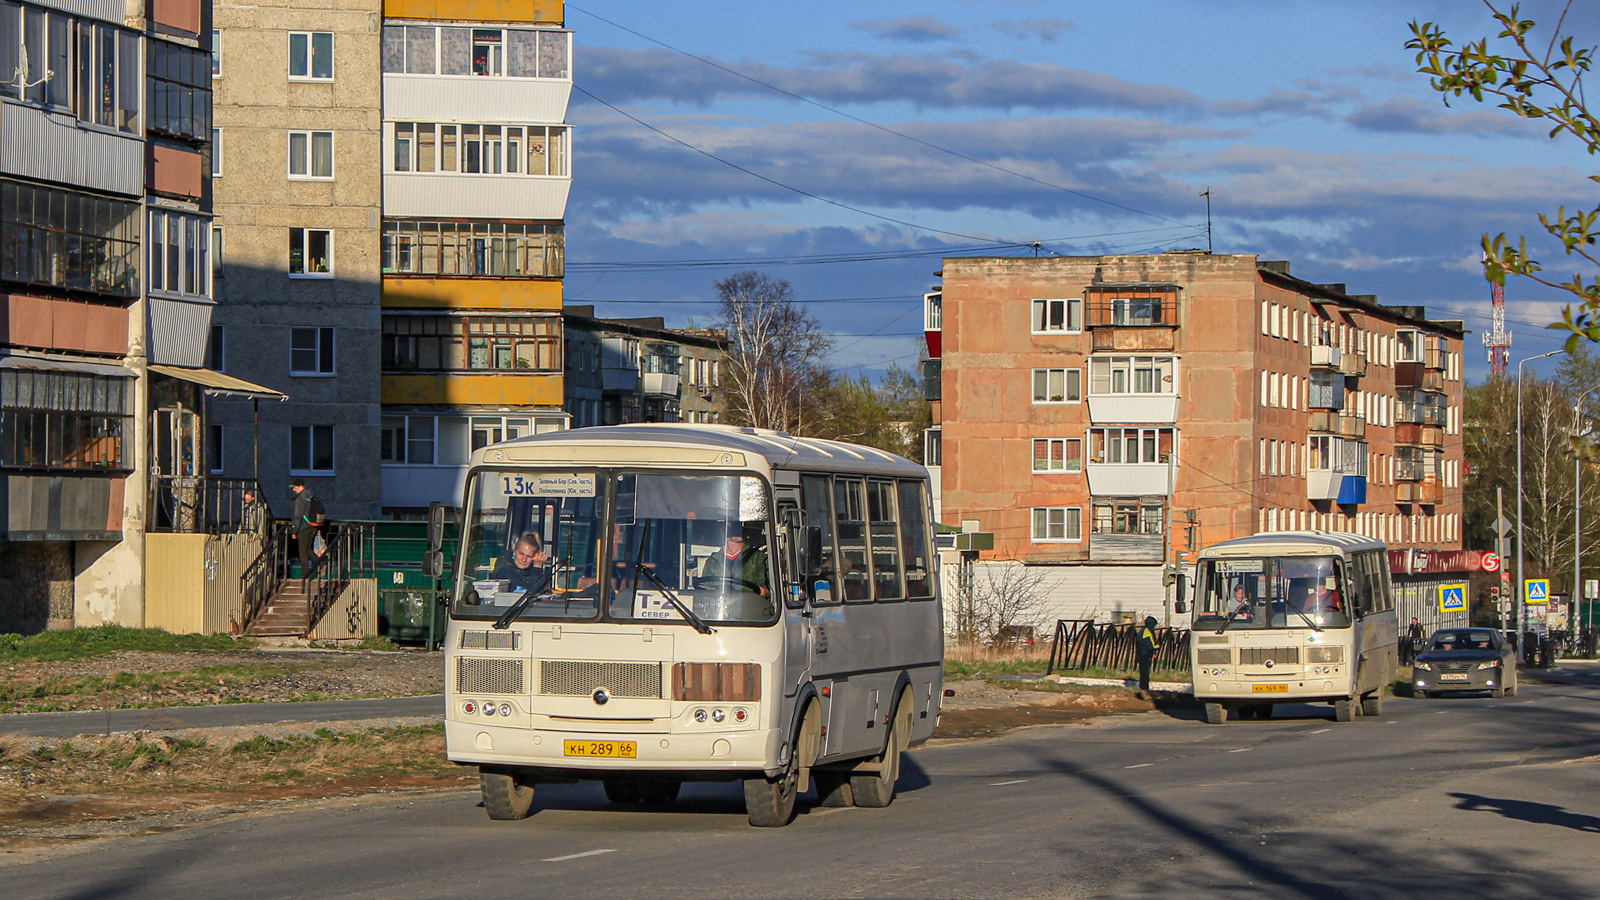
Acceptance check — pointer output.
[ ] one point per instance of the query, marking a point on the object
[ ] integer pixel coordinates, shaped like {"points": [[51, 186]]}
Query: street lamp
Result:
{"points": [[1521, 588], [1577, 516]]}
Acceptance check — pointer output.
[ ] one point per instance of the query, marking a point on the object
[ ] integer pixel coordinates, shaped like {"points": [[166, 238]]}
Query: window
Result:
{"points": [[1107, 309], [62, 420], [1057, 455], [440, 343], [217, 350], [214, 450], [933, 446], [1326, 390], [1408, 346], [850, 519], [1057, 524], [478, 149], [179, 246], [180, 90], [108, 75], [1127, 517], [479, 52], [1131, 375], [311, 252], [933, 311], [311, 351], [1130, 445], [216, 251], [68, 239], [1057, 315], [474, 249], [1057, 385], [216, 153], [311, 55], [310, 154], [216, 53], [46, 36], [882, 508], [311, 449], [914, 539]]}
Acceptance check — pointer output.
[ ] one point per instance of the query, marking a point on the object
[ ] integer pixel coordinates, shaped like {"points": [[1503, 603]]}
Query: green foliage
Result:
{"points": [[77, 643], [890, 415], [1543, 84]]}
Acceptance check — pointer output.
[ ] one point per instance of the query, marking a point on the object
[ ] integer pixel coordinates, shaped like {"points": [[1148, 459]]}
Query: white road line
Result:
{"points": [[1139, 766], [1242, 750], [578, 855], [1004, 783], [1440, 712], [1322, 730]]}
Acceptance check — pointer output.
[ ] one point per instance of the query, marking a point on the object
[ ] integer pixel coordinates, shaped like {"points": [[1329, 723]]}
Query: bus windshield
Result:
{"points": [[538, 532], [702, 539], [1272, 592]]}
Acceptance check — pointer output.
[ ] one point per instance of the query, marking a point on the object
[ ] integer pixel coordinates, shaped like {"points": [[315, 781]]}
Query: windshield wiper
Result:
{"points": [[687, 613], [510, 615], [1307, 619]]}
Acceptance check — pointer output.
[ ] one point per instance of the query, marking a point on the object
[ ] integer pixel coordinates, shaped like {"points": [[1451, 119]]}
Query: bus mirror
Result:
{"points": [[433, 564], [436, 512], [1181, 605]]}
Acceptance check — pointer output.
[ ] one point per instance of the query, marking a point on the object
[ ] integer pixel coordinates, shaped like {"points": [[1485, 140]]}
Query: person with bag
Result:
{"points": [[1146, 653], [307, 517]]}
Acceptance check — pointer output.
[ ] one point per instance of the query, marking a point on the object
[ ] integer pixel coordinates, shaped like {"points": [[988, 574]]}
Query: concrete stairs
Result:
{"points": [[288, 613]]}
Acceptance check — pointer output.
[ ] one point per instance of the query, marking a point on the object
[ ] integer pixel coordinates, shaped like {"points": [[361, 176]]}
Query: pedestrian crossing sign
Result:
{"points": [[1537, 590], [1452, 598]]}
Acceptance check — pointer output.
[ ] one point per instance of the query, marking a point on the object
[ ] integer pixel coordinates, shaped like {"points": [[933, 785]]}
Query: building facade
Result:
{"points": [[1104, 417], [621, 371]]}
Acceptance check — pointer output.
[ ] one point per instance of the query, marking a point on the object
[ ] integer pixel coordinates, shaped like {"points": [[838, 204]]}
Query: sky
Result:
{"points": [[847, 147]]}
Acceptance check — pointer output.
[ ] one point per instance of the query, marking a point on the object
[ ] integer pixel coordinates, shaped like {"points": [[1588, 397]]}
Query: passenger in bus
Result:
{"points": [[1326, 599], [526, 567], [741, 564]]}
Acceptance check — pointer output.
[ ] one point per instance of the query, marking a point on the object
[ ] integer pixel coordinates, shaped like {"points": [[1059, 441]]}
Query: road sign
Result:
{"points": [[1452, 598], [1503, 526], [1591, 589], [1490, 562], [1536, 590]]}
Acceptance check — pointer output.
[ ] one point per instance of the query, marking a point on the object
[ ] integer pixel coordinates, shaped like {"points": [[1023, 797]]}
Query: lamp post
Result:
{"points": [[1521, 585], [1576, 606]]}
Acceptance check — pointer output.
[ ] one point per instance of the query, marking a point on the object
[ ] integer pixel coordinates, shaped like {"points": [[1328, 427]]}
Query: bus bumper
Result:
{"points": [[744, 750], [1295, 690]]}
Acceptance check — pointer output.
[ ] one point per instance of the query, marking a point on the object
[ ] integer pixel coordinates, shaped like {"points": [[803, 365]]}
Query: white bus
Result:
{"points": [[1293, 617], [699, 603]]}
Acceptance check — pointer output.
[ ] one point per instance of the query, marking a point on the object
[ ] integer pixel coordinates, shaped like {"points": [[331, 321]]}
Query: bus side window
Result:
{"points": [[819, 570], [914, 540], [850, 517], [885, 541]]}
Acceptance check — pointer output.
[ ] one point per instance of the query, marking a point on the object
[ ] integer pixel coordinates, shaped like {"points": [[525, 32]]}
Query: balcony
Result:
{"points": [[1407, 374], [1323, 484], [1408, 433], [1425, 492], [1146, 548], [1133, 409], [1352, 426], [1434, 359], [1407, 471], [1353, 364], [1323, 355], [1433, 380], [1325, 420], [1133, 339], [1128, 479], [659, 384]]}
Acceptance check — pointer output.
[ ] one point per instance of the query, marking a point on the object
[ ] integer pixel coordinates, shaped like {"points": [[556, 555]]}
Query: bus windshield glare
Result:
{"points": [[1272, 592], [698, 539]]}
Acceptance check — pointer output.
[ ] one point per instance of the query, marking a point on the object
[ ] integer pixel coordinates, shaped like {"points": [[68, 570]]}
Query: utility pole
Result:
{"points": [[1500, 598]]}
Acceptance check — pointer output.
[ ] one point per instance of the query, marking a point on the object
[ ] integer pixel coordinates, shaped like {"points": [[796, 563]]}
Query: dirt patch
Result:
{"points": [[986, 709]]}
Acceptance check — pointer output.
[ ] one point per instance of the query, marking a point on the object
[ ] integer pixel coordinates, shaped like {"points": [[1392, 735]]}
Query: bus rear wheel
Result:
{"points": [[659, 793], [833, 789], [1216, 713], [623, 790], [504, 797], [1372, 704], [1344, 709], [876, 790]]}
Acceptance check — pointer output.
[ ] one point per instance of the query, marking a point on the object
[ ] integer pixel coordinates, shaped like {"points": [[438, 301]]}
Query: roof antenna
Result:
{"points": [[1036, 247], [1207, 194]]}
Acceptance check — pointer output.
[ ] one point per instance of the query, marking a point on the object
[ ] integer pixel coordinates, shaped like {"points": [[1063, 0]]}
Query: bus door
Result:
{"points": [[798, 614]]}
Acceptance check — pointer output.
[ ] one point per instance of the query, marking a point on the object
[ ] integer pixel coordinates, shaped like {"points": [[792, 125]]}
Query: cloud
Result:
{"points": [[1411, 115], [920, 29], [1045, 30]]}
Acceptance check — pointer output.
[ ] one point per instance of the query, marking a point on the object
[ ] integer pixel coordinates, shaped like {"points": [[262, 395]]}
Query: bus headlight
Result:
{"points": [[700, 716], [1491, 664], [505, 709], [718, 716], [488, 709]]}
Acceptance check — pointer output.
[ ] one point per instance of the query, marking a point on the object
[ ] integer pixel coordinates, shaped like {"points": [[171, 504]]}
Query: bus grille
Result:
{"points": [[1211, 639], [1215, 657], [489, 640], [580, 678], [1258, 656], [489, 676], [1324, 654]]}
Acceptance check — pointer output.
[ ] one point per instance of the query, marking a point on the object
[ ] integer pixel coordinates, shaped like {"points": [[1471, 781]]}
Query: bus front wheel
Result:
{"points": [[1344, 709], [1216, 713], [504, 798]]}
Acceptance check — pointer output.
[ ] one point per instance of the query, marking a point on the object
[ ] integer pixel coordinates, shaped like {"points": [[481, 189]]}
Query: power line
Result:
{"points": [[871, 124]]}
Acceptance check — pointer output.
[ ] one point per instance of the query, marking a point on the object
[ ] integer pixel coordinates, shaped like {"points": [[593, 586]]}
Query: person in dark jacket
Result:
{"points": [[1413, 643], [255, 518], [527, 566], [1146, 651], [306, 519]]}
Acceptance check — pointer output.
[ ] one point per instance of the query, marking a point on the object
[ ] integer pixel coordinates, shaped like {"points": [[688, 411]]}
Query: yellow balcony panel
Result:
{"points": [[471, 389], [541, 12], [471, 293]]}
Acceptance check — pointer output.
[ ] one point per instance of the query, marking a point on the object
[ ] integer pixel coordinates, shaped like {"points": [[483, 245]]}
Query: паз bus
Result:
{"points": [[1293, 617], [652, 604]]}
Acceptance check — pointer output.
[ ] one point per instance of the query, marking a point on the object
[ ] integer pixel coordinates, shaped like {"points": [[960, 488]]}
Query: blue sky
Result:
{"points": [[937, 127]]}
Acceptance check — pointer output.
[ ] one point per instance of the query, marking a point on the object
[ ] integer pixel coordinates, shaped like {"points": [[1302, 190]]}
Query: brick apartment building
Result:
{"points": [[1104, 417]]}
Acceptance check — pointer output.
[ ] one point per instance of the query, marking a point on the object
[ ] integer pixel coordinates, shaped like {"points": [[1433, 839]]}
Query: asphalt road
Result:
{"points": [[1461, 797]]}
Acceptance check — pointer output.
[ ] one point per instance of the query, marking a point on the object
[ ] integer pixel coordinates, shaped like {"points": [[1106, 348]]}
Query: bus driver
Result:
{"points": [[740, 564], [527, 565]]}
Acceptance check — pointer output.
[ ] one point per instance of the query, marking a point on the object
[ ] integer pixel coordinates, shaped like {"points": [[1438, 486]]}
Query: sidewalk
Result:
{"points": [[117, 721]]}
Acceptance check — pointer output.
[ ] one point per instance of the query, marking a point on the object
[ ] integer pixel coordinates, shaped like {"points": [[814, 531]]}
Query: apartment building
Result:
{"points": [[476, 171], [298, 182], [105, 279], [1104, 417], [621, 371]]}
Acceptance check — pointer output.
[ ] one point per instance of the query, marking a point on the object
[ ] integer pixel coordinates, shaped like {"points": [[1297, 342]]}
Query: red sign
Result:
{"points": [[1491, 562], [1426, 562]]}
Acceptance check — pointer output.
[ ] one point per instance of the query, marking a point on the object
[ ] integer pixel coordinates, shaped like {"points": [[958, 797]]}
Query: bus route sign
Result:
{"points": [[1452, 598], [1536, 590]]}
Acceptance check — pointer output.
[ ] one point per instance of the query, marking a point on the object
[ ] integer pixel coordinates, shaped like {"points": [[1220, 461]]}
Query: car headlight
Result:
{"points": [[1422, 665], [1491, 664]]}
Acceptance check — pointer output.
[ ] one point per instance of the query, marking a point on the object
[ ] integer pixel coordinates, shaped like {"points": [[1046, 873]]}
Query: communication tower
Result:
{"points": [[1497, 339]]}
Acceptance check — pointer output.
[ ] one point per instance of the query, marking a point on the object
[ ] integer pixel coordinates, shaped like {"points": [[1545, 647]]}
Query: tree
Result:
{"points": [[1004, 596], [890, 415], [1536, 84], [774, 361]]}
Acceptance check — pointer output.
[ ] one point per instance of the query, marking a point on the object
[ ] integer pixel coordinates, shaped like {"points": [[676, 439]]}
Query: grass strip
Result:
{"points": [[81, 643]]}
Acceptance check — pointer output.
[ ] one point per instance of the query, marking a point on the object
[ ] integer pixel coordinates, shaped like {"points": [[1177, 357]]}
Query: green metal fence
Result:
{"points": [[408, 611]]}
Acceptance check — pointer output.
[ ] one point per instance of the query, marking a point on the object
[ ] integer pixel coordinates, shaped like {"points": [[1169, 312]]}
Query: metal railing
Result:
{"points": [[262, 578], [199, 504], [349, 554], [1084, 644]]}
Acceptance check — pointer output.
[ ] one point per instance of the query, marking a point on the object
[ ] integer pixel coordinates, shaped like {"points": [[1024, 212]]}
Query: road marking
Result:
{"points": [[1242, 750], [1004, 783], [1322, 730], [578, 855], [1440, 712], [1139, 766]]}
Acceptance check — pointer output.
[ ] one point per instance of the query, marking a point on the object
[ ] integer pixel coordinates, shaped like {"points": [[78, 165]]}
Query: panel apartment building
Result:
{"points": [[1103, 417], [392, 195], [105, 285]]}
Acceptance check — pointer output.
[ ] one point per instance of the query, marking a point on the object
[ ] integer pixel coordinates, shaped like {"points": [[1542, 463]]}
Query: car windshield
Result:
{"points": [[1271, 592], [537, 532], [701, 539], [1463, 640]]}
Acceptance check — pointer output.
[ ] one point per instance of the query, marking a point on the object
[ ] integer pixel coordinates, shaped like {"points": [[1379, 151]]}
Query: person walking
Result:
{"points": [[1413, 644], [1146, 652], [306, 519]]}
